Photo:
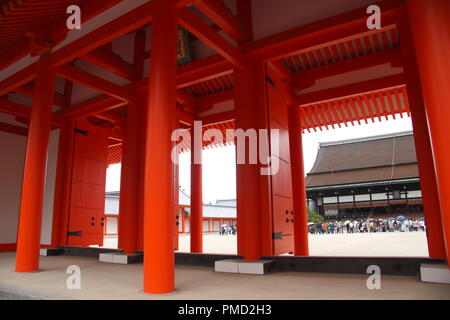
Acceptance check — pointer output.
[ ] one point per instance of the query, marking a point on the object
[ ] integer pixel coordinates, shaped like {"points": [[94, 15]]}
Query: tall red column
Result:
{"points": [[196, 224], [158, 201], [31, 204], [430, 26], [248, 83], [129, 181], [432, 212], [298, 183]]}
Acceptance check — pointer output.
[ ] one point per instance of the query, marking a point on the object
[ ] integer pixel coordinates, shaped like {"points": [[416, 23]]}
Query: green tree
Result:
{"points": [[314, 217]]}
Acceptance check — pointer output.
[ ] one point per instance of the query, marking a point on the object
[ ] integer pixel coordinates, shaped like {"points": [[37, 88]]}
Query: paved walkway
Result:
{"points": [[109, 281]]}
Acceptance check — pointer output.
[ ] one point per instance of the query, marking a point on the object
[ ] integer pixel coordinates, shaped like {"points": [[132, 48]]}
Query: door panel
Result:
{"points": [[283, 224], [87, 201], [282, 213]]}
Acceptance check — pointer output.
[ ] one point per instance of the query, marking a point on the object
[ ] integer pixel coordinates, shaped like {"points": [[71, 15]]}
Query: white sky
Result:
{"points": [[219, 172]]}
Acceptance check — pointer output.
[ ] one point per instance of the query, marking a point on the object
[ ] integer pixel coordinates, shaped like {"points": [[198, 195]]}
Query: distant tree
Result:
{"points": [[314, 217]]}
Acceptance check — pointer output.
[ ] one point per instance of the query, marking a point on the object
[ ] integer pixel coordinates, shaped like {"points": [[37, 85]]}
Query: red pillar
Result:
{"points": [[248, 83], [29, 231], [158, 201], [430, 26], [196, 226], [129, 181], [298, 183], [432, 214]]}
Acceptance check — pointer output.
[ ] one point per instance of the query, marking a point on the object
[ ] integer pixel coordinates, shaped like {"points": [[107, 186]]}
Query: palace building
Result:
{"points": [[368, 177]]}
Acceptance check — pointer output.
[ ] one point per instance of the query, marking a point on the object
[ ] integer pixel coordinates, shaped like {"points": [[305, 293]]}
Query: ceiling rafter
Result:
{"points": [[306, 78], [111, 62], [92, 81], [222, 16], [209, 36]]}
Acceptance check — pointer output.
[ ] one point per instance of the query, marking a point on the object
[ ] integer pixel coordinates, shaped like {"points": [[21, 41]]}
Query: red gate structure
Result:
{"points": [[328, 71]]}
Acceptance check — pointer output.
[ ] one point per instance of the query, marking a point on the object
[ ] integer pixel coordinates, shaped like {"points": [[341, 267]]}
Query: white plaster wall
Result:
{"points": [[379, 196], [11, 173], [346, 199], [362, 197], [415, 194], [49, 195], [330, 200]]}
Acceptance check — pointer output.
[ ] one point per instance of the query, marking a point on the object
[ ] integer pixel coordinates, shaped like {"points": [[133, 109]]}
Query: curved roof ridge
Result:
{"points": [[364, 139]]}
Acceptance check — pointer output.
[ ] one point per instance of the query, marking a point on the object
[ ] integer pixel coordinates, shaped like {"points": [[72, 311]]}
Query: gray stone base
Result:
{"points": [[436, 273], [243, 266], [51, 252], [121, 258]]}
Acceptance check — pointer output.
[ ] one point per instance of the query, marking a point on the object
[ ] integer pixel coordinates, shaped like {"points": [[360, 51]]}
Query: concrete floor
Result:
{"points": [[110, 281]]}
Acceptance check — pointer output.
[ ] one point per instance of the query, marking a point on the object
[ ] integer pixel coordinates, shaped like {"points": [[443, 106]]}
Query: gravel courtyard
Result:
{"points": [[401, 244]]}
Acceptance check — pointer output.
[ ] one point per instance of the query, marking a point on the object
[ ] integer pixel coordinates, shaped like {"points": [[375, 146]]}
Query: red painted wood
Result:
{"points": [[87, 201], [31, 203], [5, 247], [282, 206]]}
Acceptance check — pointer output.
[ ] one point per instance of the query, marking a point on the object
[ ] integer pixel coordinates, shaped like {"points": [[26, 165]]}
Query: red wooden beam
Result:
{"points": [[188, 74], [334, 30], [222, 117], [206, 102], [209, 36], [221, 15], [111, 62], [95, 39], [281, 71], [245, 16], [94, 82], [28, 90], [283, 42], [282, 79], [351, 89], [354, 110], [18, 79], [307, 77], [185, 98], [370, 108], [93, 106], [203, 69], [184, 117], [139, 55], [113, 117], [128, 22], [183, 3], [11, 56], [17, 109], [10, 128], [68, 91], [90, 10]]}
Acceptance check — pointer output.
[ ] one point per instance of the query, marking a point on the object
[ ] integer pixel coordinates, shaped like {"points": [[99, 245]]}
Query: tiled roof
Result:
{"points": [[383, 158]]}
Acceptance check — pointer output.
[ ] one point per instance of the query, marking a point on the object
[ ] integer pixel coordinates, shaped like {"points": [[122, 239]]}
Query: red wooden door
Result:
{"points": [[282, 210], [87, 201]]}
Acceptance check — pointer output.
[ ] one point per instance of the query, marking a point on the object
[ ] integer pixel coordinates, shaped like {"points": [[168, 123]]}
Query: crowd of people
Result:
{"points": [[226, 229], [368, 226]]}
